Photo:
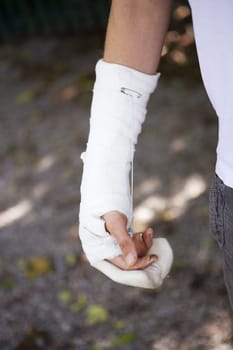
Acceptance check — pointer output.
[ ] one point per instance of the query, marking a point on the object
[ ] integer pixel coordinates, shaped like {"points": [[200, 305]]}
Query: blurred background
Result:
{"points": [[50, 298]]}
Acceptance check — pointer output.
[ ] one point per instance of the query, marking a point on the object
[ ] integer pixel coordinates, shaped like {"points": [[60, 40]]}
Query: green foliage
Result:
{"points": [[65, 296], [7, 284], [79, 303], [26, 96], [96, 314], [71, 259], [118, 324], [36, 266], [123, 339]]}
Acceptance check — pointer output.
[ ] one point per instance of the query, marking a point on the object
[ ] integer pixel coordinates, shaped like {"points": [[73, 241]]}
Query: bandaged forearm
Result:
{"points": [[118, 110]]}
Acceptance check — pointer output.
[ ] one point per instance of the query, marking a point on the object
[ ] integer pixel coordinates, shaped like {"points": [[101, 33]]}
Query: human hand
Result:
{"points": [[133, 249]]}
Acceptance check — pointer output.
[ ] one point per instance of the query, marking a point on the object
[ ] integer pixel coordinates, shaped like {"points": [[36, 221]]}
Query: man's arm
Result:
{"points": [[135, 36]]}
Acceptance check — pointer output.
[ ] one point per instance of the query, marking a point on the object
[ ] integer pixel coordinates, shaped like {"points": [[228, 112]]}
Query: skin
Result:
{"points": [[135, 247], [135, 34]]}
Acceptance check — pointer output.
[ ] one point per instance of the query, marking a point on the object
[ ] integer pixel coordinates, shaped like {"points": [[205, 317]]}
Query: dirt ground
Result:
{"points": [[50, 298]]}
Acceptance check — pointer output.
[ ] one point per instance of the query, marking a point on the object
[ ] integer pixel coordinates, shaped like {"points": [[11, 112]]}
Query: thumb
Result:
{"points": [[116, 225]]}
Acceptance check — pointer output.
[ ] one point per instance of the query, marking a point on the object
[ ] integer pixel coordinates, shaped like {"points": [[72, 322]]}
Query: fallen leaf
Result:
{"points": [[65, 296], [96, 314], [123, 339]]}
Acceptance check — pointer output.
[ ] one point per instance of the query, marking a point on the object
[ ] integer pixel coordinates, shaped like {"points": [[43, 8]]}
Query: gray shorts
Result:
{"points": [[221, 225]]}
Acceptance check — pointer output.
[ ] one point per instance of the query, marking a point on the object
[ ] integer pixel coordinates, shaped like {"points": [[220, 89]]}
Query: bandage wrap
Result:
{"points": [[118, 109]]}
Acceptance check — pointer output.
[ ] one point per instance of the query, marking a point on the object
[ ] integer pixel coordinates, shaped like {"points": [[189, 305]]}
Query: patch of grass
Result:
{"points": [[123, 339], [79, 304], [71, 259], [7, 284], [96, 314], [36, 266], [65, 296], [26, 96], [118, 324]]}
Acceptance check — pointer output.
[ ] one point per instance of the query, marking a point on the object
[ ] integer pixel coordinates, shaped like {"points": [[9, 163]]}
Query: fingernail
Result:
{"points": [[150, 231], [130, 259], [153, 258]]}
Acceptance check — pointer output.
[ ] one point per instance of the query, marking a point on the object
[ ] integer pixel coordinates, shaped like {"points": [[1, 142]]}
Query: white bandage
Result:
{"points": [[118, 109], [151, 277]]}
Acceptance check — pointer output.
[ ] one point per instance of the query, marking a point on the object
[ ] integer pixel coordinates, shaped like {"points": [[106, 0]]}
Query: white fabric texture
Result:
{"points": [[151, 277], [213, 28], [118, 109]]}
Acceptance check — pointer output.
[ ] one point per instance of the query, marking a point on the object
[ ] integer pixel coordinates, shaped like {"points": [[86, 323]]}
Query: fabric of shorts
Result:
{"points": [[221, 226]]}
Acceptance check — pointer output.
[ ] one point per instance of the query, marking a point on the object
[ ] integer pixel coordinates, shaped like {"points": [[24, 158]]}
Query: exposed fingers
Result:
{"points": [[141, 263], [144, 262], [140, 244], [143, 241], [128, 249], [119, 261], [116, 224], [148, 237]]}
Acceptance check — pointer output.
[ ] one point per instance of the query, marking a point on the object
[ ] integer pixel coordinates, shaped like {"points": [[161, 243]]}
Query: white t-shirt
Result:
{"points": [[213, 28]]}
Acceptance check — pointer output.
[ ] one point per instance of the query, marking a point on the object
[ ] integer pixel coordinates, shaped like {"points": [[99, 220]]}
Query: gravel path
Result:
{"points": [[50, 297]]}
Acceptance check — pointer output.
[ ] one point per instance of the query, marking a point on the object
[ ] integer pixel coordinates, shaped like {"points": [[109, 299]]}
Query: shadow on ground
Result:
{"points": [[50, 297]]}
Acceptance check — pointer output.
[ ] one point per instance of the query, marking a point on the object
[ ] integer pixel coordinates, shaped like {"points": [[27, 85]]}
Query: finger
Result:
{"points": [[141, 246], [141, 263], [116, 225], [143, 241], [148, 237], [128, 248], [145, 261]]}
